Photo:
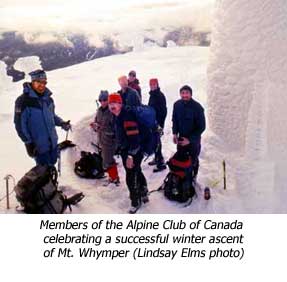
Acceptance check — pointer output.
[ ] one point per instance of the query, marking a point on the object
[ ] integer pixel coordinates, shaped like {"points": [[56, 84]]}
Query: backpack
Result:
{"points": [[146, 117], [177, 185], [89, 166], [37, 192]]}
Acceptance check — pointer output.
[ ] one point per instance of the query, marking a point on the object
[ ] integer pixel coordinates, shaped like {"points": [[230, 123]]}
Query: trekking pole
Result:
{"points": [[224, 174]]}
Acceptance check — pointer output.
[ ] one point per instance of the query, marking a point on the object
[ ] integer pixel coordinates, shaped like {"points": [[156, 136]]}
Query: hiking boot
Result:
{"points": [[145, 199], [110, 182], [133, 209], [153, 162], [160, 167]]}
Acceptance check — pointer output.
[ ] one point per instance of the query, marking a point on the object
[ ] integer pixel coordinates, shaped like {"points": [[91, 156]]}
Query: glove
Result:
{"points": [[95, 126], [118, 151], [160, 130], [66, 125], [31, 150]]}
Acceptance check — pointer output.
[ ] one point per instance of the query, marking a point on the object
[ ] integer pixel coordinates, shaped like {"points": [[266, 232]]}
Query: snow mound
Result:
{"points": [[247, 96], [28, 64]]}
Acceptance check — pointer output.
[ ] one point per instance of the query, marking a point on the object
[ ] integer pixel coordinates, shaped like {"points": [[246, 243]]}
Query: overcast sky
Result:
{"points": [[102, 17]]}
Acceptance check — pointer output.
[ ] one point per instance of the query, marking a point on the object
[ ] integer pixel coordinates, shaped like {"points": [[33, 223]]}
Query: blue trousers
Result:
{"points": [[49, 158]]}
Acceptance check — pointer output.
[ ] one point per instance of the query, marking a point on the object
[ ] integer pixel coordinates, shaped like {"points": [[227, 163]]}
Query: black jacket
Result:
{"points": [[127, 132], [188, 120], [158, 102]]}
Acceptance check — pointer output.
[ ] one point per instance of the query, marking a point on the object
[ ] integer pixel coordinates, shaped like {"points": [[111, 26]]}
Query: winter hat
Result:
{"points": [[104, 94], [38, 74], [123, 79], [153, 81], [133, 73], [186, 88], [115, 98]]}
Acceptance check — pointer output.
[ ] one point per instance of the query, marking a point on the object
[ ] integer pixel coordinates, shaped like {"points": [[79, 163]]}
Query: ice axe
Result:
{"points": [[67, 143]]}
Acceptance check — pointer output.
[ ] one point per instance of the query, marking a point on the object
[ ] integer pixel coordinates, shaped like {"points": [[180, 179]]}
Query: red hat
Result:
{"points": [[153, 81], [115, 98]]}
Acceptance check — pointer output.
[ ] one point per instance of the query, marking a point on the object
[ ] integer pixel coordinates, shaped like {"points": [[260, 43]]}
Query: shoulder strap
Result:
{"points": [[27, 101]]}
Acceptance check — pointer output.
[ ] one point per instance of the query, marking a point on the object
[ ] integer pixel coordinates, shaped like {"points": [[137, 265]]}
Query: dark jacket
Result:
{"points": [[188, 120], [128, 132], [135, 85], [130, 97], [158, 102], [35, 119]]}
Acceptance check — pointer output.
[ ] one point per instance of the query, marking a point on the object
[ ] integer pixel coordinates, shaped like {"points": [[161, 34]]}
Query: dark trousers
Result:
{"points": [[135, 179], [158, 153], [49, 158]]}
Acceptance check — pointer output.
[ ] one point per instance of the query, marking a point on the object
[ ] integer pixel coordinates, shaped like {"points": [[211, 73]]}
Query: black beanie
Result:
{"points": [[187, 88]]}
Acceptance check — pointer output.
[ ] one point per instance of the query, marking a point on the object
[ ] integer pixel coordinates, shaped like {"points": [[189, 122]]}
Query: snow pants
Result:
{"points": [[49, 158]]}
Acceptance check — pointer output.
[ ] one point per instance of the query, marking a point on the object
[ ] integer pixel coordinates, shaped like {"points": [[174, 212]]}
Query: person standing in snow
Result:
{"points": [[128, 138], [129, 96], [158, 102], [35, 120], [105, 128], [188, 123], [134, 83]]}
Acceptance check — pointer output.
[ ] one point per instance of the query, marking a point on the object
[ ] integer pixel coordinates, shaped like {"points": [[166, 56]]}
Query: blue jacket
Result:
{"points": [[158, 102], [130, 97], [35, 119], [188, 120]]}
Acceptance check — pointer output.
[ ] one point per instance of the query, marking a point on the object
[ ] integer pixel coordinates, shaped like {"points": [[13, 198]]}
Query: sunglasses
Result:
{"points": [[103, 100], [131, 74]]}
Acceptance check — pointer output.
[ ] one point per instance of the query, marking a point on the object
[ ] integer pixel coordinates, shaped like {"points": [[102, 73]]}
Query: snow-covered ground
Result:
{"points": [[75, 90]]}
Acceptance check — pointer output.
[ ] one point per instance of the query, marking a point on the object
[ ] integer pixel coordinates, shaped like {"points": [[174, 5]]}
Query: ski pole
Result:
{"points": [[7, 192], [224, 174]]}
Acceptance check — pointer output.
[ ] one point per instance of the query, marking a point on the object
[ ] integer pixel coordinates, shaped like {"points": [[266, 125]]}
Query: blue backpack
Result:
{"points": [[146, 118]]}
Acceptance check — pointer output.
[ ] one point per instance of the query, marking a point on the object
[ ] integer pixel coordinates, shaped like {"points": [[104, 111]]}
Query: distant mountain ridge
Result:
{"points": [[58, 54]]}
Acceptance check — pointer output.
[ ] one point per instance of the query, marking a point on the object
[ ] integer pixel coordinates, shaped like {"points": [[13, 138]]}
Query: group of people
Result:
{"points": [[117, 127]]}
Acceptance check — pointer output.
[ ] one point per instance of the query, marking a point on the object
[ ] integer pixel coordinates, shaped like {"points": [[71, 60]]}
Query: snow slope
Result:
{"points": [[247, 97]]}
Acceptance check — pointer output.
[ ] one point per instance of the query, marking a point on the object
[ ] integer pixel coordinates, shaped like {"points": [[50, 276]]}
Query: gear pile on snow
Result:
{"points": [[90, 166], [37, 192]]}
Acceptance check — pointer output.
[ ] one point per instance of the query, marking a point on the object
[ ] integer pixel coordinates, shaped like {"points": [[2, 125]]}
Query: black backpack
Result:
{"points": [[177, 185], [89, 166], [37, 192]]}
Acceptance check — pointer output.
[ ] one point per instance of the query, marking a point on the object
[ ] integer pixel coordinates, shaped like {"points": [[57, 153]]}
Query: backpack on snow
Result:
{"points": [[146, 117], [89, 166], [177, 185], [37, 192]]}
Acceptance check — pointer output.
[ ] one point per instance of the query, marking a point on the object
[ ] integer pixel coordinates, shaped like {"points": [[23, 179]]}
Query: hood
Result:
{"points": [[27, 89]]}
